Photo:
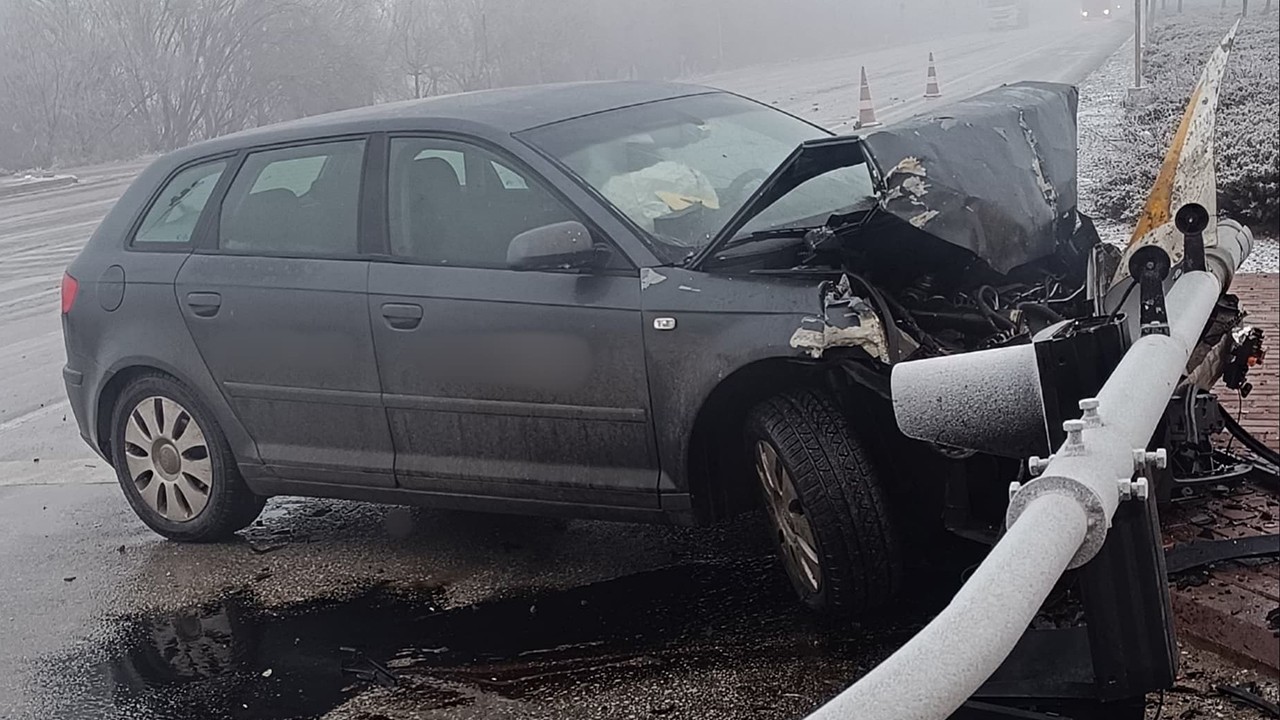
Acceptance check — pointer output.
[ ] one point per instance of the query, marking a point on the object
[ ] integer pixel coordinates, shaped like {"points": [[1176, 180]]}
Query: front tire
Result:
{"points": [[825, 504], [174, 464]]}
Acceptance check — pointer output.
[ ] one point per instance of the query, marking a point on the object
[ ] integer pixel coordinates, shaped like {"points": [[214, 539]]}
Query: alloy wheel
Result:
{"points": [[795, 532], [168, 459]]}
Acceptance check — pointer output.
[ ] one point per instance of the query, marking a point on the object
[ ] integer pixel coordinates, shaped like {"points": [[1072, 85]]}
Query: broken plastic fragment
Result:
{"points": [[923, 218], [650, 277], [869, 337]]}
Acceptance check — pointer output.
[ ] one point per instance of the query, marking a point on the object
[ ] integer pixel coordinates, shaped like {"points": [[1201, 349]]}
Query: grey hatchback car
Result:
{"points": [[622, 301]]}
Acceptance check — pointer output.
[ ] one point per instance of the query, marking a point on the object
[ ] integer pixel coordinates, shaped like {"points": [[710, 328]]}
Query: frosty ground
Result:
{"points": [[1121, 146]]}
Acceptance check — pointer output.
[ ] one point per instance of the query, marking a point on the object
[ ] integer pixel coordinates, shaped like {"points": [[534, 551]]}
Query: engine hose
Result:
{"points": [[1044, 312], [1256, 446], [989, 310]]}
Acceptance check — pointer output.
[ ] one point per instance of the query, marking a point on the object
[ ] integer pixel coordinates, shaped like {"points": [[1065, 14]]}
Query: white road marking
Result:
{"points": [[76, 471]]}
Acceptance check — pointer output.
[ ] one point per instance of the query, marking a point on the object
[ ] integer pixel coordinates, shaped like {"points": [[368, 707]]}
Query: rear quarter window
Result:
{"points": [[298, 201], [172, 218]]}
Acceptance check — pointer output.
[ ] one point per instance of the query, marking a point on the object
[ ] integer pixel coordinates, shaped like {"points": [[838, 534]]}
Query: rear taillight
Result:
{"points": [[69, 289]]}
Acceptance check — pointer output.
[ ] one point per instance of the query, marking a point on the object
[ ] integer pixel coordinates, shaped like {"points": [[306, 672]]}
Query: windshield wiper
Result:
{"points": [[775, 233], [794, 233], [834, 224]]}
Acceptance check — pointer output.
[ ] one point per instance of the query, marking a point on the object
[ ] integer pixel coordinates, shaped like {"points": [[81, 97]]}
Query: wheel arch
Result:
{"points": [[717, 468], [126, 370]]}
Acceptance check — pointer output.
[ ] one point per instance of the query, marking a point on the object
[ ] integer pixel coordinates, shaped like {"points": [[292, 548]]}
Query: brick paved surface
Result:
{"points": [[1260, 296], [1225, 608]]}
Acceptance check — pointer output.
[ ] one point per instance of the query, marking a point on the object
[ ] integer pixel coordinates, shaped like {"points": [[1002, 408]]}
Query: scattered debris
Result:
{"points": [[265, 547], [1197, 553], [367, 669]]}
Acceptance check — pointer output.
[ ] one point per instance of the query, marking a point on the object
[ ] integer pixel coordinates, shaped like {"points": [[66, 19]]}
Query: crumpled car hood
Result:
{"points": [[994, 174]]}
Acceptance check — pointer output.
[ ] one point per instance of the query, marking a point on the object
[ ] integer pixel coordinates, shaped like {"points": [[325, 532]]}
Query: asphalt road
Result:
{"points": [[826, 91], [475, 616]]}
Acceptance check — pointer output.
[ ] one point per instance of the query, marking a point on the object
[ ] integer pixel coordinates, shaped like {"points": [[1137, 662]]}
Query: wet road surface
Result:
{"points": [[442, 615], [343, 610]]}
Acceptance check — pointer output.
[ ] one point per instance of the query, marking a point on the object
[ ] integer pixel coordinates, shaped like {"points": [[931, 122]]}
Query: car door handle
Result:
{"points": [[204, 304], [402, 316]]}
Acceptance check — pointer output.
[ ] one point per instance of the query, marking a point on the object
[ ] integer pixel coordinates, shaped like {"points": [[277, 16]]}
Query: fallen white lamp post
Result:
{"points": [[1056, 522], [1059, 520]]}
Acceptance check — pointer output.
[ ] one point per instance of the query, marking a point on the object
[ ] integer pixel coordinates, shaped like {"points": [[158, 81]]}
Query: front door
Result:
{"points": [[277, 304], [498, 381]]}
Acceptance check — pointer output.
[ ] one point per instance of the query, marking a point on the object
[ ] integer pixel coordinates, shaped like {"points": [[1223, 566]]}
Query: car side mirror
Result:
{"points": [[555, 246]]}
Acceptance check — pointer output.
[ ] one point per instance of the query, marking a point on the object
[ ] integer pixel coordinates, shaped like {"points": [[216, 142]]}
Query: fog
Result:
{"points": [[90, 80]]}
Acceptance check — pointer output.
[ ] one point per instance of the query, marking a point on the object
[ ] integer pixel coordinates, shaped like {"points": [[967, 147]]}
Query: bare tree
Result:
{"points": [[96, 79]]}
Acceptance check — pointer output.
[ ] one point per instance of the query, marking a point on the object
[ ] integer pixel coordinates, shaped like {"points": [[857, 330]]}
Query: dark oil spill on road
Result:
{"points": [[235, 661]]}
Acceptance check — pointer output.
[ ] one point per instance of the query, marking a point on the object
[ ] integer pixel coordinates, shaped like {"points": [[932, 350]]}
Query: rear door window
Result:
{"points": [[301, 201], [172, 218]]}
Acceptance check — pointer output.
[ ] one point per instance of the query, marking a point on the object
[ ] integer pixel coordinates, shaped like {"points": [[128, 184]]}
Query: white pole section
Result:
{"points": [[939, 668], [1097, 461]]}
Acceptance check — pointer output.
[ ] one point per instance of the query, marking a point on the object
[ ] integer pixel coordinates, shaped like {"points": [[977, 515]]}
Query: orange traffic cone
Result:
{"points": [[931, 89], [866, 109]]}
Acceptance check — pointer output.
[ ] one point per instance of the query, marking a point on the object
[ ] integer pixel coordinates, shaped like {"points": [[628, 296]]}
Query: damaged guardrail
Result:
{"points": [[1059, 520]]}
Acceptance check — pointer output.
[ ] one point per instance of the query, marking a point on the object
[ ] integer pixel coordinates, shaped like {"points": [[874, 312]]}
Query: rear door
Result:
{"points": [[498, 381], [276, 300]]}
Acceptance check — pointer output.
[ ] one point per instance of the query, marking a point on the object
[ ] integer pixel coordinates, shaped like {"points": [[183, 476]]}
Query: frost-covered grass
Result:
{"points": [[1248, 131]]}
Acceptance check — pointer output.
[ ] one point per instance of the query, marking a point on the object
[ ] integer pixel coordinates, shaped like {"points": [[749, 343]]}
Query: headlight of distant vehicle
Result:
{"points": [[1084, 13], [1107, 11]]}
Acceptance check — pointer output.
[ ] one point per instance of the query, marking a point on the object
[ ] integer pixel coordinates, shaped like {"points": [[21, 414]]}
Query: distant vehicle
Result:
{"points": [[1099, 9], [1008, 14]]}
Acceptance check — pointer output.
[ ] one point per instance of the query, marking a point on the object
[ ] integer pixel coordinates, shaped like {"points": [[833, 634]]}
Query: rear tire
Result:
{"points": [[854, 563], [174, 464]]}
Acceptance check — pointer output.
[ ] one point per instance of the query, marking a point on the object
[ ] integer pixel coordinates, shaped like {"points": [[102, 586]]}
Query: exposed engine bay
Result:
{"points": [[976, 241]]}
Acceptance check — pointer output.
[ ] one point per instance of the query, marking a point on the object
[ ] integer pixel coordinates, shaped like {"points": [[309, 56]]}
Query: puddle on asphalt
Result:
{"points": [[234, 660]]}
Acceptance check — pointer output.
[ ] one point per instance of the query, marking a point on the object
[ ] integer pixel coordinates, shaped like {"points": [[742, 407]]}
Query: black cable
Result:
{"points": [[1193, 427], [1132, 284], [914, 330], [1256, 446], [1067, 299], [1239, 414], [1160, 707]]}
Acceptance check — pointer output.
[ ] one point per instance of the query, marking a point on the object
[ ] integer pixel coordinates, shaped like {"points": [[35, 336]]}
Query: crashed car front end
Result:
{"points": [[1056, 366], [976, 243]]}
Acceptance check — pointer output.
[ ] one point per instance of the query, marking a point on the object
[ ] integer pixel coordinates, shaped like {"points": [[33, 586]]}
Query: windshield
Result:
{"points": [[681, 168]]}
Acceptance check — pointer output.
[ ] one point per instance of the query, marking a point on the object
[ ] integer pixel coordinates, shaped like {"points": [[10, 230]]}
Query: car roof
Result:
{"points": [[502, 111]]}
